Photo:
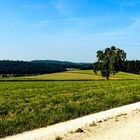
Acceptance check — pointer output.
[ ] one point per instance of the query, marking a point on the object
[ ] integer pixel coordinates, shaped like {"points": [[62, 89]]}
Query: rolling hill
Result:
{"points": [[74, 75]]}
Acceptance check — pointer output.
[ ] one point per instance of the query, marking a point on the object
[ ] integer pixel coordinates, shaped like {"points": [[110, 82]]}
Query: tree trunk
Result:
{"points": [[107, 76]]}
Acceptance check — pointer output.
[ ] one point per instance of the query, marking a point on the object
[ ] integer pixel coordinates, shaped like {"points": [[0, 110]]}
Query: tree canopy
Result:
{"points": [[110, 60]]}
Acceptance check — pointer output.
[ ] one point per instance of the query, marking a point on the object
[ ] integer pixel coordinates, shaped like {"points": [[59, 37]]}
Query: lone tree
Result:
{"points": [[110, 61]]}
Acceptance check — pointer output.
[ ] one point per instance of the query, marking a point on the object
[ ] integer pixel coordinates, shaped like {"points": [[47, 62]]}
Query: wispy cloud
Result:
{"points": [[35, 6], [128, 3], [58, 4], [131, 2], [128, 35], [62, 7], [125, 4]]}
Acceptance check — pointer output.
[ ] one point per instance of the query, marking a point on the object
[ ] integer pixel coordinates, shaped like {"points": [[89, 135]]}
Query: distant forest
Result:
{"points": [[132, 66], [19, 68]]}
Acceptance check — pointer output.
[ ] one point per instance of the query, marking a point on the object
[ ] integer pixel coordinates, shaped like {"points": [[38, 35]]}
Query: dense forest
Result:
{"points": [[27, 68], [64, 64], [18, 68]]}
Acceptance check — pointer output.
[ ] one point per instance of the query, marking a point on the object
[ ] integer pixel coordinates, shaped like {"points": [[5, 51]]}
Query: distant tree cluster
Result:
{"points": [[64, 64], [132, 66], [18, 68], [87, 67]]}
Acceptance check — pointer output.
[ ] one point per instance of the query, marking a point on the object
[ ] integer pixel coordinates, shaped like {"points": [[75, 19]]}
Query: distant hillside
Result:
{"points": [[15, 68], [64, 64], [8, 67]]}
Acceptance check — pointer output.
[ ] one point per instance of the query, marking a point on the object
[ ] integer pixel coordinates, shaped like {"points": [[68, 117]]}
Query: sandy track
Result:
{"points": [[122, 127]]}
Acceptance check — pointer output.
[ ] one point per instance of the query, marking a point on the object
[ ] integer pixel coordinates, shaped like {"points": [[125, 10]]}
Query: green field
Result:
{"points": [[71, 75], [26, 105]]}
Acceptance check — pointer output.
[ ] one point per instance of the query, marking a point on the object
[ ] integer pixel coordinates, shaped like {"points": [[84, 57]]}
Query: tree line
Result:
{"points": [[20, 68], [132, 66]]}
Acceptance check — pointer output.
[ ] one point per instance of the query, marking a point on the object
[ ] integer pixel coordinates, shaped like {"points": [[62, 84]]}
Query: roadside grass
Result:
{"points": [[29, 105]]}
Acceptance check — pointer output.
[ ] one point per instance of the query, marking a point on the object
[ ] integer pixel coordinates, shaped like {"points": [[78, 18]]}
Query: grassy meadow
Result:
{"points": [[76, 75], [26, 105]]}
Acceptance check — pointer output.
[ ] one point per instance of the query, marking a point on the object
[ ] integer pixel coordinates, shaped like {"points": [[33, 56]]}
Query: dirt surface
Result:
{"points": [[121, 127]]}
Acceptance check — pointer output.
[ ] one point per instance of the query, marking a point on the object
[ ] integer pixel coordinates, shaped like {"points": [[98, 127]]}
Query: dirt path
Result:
{"points": [[122, 127]]}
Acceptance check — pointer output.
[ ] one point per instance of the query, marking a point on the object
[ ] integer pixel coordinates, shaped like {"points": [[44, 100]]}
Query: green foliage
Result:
{"points": [[132, 66], [110, 60], [63, 64], [29, 105]]}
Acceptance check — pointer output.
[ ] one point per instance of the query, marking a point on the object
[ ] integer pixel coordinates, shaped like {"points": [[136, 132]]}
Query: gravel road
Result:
{"points": [[122, 127]]}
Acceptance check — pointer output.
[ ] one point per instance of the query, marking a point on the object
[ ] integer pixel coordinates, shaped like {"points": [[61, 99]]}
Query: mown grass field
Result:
{"points": [[71, 75], [34, 104]]}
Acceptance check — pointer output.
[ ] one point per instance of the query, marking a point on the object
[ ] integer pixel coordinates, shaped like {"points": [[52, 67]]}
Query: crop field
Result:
{"points": [[34, 104]]}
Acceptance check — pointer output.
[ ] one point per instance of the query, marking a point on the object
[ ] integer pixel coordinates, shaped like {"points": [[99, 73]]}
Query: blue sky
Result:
{"points": [[71, 30]]}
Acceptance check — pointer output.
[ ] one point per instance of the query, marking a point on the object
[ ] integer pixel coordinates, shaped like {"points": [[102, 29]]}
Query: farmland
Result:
{"points": [[26, 105], [72, 75]]}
